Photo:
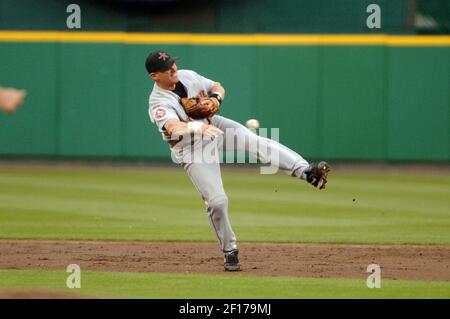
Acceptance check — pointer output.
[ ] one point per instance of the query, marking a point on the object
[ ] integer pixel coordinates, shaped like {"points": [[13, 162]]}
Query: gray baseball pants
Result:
{"points": [[206, 175]]}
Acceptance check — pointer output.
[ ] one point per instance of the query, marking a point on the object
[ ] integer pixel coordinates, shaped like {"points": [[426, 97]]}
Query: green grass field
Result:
{"points": [[156, 285], [161, 204]]}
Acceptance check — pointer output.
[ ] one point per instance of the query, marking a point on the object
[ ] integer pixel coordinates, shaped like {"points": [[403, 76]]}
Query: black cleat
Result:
{"points": [[316, 174], [231, 261]]}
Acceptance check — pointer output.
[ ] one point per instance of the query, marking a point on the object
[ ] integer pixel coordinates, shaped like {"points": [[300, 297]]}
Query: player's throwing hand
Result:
{"points": [[212, 131]]}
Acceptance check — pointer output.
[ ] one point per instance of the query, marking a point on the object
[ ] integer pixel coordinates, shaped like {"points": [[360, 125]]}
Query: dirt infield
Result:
{"points": [[408, 262]]}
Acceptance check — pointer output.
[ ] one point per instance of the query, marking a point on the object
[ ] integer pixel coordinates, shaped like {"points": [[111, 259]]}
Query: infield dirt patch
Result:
{"points": [[408, 262]]}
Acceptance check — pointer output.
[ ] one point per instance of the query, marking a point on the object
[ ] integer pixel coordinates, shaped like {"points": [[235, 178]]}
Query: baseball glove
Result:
{"points": [[199, 107]]}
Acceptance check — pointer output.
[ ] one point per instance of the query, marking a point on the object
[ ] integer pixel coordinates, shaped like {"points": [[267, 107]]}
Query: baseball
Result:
{"points": [[252, 124]]}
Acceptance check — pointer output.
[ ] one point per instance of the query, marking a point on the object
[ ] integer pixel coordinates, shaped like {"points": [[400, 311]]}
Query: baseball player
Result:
{"points": [[183, 105]]}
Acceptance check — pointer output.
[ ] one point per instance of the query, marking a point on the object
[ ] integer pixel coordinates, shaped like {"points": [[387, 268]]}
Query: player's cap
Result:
{"points": [[159, 61]]}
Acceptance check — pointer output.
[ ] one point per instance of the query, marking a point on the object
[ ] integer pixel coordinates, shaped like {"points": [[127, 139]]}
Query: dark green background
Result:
{"points": [[229, 16], [334, 102]]}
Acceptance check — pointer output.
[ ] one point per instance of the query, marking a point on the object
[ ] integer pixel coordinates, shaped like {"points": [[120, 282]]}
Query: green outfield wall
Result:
{"points": [[347, 102]]}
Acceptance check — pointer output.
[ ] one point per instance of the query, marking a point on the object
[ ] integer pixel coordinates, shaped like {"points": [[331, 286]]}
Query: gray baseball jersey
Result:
{"points": [[165, 104]]}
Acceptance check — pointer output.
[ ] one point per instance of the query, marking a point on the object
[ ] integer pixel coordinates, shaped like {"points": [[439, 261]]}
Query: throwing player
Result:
{"points": [[183, 105]]}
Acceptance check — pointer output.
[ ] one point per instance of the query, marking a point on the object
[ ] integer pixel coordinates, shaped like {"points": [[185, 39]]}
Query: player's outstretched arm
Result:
{"points": [[176, 128]]}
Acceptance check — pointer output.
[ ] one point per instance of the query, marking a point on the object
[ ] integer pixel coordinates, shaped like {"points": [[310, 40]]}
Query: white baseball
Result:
{"points": [[252, 124]]}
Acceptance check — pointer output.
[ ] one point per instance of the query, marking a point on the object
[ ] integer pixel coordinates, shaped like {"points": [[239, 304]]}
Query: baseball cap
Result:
{"points": [[159, 61]]}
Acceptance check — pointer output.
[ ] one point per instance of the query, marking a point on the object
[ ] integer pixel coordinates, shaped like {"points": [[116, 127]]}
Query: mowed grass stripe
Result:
{"points": [[437, 198], [342, 189], [157, 285], [165, 175], [100, 201], [163, 204]]}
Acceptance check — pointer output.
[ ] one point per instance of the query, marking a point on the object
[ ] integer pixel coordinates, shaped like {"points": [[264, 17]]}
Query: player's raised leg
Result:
{"points": [[264, 149]]}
